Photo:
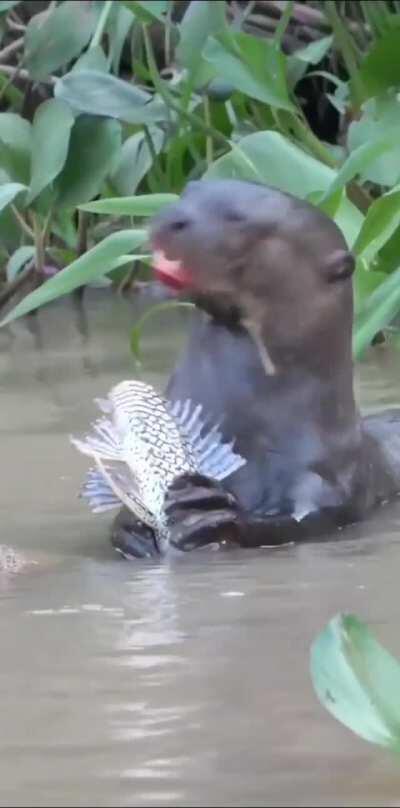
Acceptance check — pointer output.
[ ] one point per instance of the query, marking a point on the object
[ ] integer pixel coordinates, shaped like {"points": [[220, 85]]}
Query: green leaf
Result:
{"points": [[51, 126], [365, 281], [136, 333], [271, 158], [376, 313], [253, 65], [56, 36], [201, 18], [8, 192], [135, 160], [19, 258], [381, 67], [118, 28], [95, 142], [147, 11], [92, 59], [378, 117], [362, 157], [101, 94], [357, 680], [315, 51], [97, 262], [15, 146], [381, 221], [144, 205], [5, 5]]}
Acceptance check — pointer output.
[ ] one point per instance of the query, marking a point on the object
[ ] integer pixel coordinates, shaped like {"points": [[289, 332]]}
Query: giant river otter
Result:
{"points": [[270, 351]]}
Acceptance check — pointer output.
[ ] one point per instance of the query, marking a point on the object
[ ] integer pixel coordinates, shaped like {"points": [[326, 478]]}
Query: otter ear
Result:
{"points": [[339, 266]]}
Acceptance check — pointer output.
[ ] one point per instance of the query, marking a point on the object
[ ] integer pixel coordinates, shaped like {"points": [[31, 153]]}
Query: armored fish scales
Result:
{"points": [[142, 446]]}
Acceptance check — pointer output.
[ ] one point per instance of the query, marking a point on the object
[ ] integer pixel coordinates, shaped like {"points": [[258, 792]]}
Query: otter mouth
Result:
{"points": [[170, 272]]}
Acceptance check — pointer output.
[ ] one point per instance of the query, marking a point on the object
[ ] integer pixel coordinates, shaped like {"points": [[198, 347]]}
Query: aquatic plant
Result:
{"points": [[358, 681], [124, 102]]}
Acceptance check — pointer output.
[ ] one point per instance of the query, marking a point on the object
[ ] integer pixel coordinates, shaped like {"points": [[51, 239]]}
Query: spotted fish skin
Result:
{"points": [[144, 444]]}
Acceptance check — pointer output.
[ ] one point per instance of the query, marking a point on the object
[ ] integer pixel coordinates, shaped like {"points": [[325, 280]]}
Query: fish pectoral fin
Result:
{"points": [[97, 492], [124, 486], [103, 441], [214, 457]]}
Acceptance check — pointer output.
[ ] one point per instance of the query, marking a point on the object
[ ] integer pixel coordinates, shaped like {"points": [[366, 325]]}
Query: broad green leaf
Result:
{"points": [[56, 36], [376, 313], [15, 146], [19, 258], [381, 221], [92, 59], [8, 192], [379, 116], [253, 65], [362, 157], [93, 264], [201, 18], [315, 51], [94, 144], [147, 11], [144, 205], [97, 93], [136, 333], [136, 159], [380, 69], [118, 28], [5, 5], [51, 126], [365, 281], [357, 680], [271, 158]]}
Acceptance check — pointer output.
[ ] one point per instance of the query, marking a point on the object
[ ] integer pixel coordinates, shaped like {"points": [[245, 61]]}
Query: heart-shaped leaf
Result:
{"points": [[95, 143], [51, 125], [97, 93], [358, 681], [56, 36]]}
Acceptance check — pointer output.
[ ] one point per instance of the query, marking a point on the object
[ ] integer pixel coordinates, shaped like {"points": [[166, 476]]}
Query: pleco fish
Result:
{"points": [[144, 444]]}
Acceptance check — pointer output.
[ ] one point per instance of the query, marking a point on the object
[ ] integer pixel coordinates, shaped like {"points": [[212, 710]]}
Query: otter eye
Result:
{"points": [[234, 216]]}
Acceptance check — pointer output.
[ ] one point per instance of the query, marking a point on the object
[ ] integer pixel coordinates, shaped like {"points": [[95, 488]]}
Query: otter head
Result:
{"points": [[276, 263]]}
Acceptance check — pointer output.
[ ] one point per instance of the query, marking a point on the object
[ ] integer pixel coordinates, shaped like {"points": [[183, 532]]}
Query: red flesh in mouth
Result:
{"points": [[171, 273]]}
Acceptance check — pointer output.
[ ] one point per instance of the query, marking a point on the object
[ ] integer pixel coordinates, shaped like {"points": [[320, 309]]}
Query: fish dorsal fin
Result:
{"points": [[214, 457]]}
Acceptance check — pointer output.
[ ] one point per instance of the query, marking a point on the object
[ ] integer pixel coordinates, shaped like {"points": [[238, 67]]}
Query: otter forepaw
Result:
{"points": [[200, 512], [132, 538]]}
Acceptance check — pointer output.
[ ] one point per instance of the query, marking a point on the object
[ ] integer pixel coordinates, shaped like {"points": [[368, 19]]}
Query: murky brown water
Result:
{"points": [[165, 684]]}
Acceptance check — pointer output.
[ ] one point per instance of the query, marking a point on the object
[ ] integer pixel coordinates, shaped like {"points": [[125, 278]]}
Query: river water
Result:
{"points": [[154, 683]]}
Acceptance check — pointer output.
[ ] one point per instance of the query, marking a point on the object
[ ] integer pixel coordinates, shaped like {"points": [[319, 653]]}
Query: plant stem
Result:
{"points": [[209, 141], [346, 46], [13, 286], [10, 70], [23, 224], [283, 22], [39, 246], [165, 93], [102, 22], [13, 46]]}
